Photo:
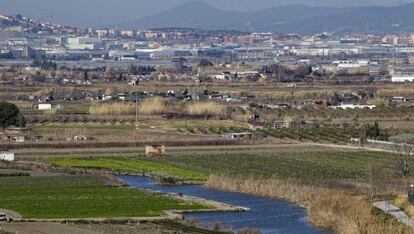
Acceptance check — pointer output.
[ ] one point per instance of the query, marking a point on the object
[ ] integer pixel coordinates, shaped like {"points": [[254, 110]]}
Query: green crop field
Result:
{"points": [[297, 165], [79, 200], [130, 165], [308, 166], [50, 182]]}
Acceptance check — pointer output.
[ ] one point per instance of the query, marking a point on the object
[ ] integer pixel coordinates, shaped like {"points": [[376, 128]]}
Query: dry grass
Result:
{"points": [[379, 102], [156, 105], [205, 108], [402, 202], [113, 108], [50, 112], [400, 91], [328, 208]]}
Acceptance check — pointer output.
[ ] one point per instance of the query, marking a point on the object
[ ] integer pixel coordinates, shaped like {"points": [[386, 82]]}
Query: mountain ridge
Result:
{"points": [[291, 18]]}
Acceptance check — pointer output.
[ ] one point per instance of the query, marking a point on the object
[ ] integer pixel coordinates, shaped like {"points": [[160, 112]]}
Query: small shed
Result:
{"points": [[6, 156], [44, 106], [155, 150]]}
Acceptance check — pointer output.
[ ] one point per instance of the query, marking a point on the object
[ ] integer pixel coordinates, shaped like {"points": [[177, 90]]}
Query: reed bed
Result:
{"points": [[156, 105], [402, 202], [327, 208], [205, 108]]}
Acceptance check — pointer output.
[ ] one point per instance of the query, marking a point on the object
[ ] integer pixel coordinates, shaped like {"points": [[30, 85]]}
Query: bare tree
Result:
{"points": [[403, 159], [376, 178]]}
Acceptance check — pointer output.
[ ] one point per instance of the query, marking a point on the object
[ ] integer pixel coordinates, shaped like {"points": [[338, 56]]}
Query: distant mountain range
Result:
{"points": [[285, 19]]}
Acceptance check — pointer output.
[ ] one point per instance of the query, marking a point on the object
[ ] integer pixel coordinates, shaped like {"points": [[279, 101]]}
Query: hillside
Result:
{"points": [[292, 18]]}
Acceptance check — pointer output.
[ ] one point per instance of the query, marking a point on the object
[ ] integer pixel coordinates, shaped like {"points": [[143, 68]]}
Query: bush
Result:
{"points": [[10, 115]]}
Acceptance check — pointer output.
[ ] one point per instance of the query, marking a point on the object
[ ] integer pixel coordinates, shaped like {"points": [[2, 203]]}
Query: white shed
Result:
{"points": [[45, 106], [6, 156]]}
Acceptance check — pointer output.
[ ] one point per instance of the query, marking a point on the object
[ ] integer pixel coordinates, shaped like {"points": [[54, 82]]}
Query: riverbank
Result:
{"points": [[327, 208]]}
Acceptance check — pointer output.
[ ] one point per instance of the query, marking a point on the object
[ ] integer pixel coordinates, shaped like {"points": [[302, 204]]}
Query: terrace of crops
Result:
{"points": [[82, 197], [296, 165]]}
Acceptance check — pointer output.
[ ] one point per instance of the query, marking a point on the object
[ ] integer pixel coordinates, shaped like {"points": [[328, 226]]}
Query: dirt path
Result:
{"points": [[389, 208], [350, 147], [43, 228], [84, 228]]}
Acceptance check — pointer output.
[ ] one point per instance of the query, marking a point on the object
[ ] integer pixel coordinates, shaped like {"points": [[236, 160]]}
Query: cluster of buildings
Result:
{"points": [[382, 57]]}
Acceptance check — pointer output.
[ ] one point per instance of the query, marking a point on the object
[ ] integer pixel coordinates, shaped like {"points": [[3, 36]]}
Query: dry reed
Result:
{"points": [[156, 105], [205, 108], [328, 208]]}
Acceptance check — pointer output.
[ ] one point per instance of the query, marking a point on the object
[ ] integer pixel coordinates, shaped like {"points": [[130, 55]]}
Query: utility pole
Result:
{"points": [[136, 110]]}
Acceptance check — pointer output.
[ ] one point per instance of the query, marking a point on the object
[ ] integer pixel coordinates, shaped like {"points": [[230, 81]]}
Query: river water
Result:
{"points": [[267, 215]]}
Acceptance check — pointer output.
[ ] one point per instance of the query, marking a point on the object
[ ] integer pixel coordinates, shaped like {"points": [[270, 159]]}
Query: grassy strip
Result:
{"points": [[130, 165], [80, 197], [50, 182]]}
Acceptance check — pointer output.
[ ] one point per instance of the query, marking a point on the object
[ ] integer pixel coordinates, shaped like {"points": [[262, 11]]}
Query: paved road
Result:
{"points": [[389, 208]]}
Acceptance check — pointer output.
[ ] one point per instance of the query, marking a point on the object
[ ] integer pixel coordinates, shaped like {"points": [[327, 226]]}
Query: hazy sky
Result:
{"points": [[101, 12]]}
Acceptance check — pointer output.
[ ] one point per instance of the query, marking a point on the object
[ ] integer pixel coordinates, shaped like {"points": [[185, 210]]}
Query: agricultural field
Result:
{"points": [[130, 165], [302, 166], [296, 165], [184, 126], [68, 197], [197, 126]]}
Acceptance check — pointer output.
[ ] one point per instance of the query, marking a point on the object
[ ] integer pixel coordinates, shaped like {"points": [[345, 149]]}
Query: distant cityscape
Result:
{"points": [[381, 58]]}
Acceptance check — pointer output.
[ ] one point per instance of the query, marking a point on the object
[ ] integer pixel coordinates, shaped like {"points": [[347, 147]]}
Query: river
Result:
{"points": [[267, 215]]}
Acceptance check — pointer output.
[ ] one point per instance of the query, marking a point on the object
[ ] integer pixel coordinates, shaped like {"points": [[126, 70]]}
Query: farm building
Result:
{"points": [[155, 150], [46, 106], [6, 156]]}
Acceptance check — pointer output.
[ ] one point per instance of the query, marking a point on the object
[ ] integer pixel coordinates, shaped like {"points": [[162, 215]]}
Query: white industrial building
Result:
{"points": [[352, 107], [6, 156], [83, 43], [400, 77]]}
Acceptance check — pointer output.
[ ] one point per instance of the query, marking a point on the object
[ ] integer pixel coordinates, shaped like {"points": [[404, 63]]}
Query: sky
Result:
{"points": [[88, 13]]}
